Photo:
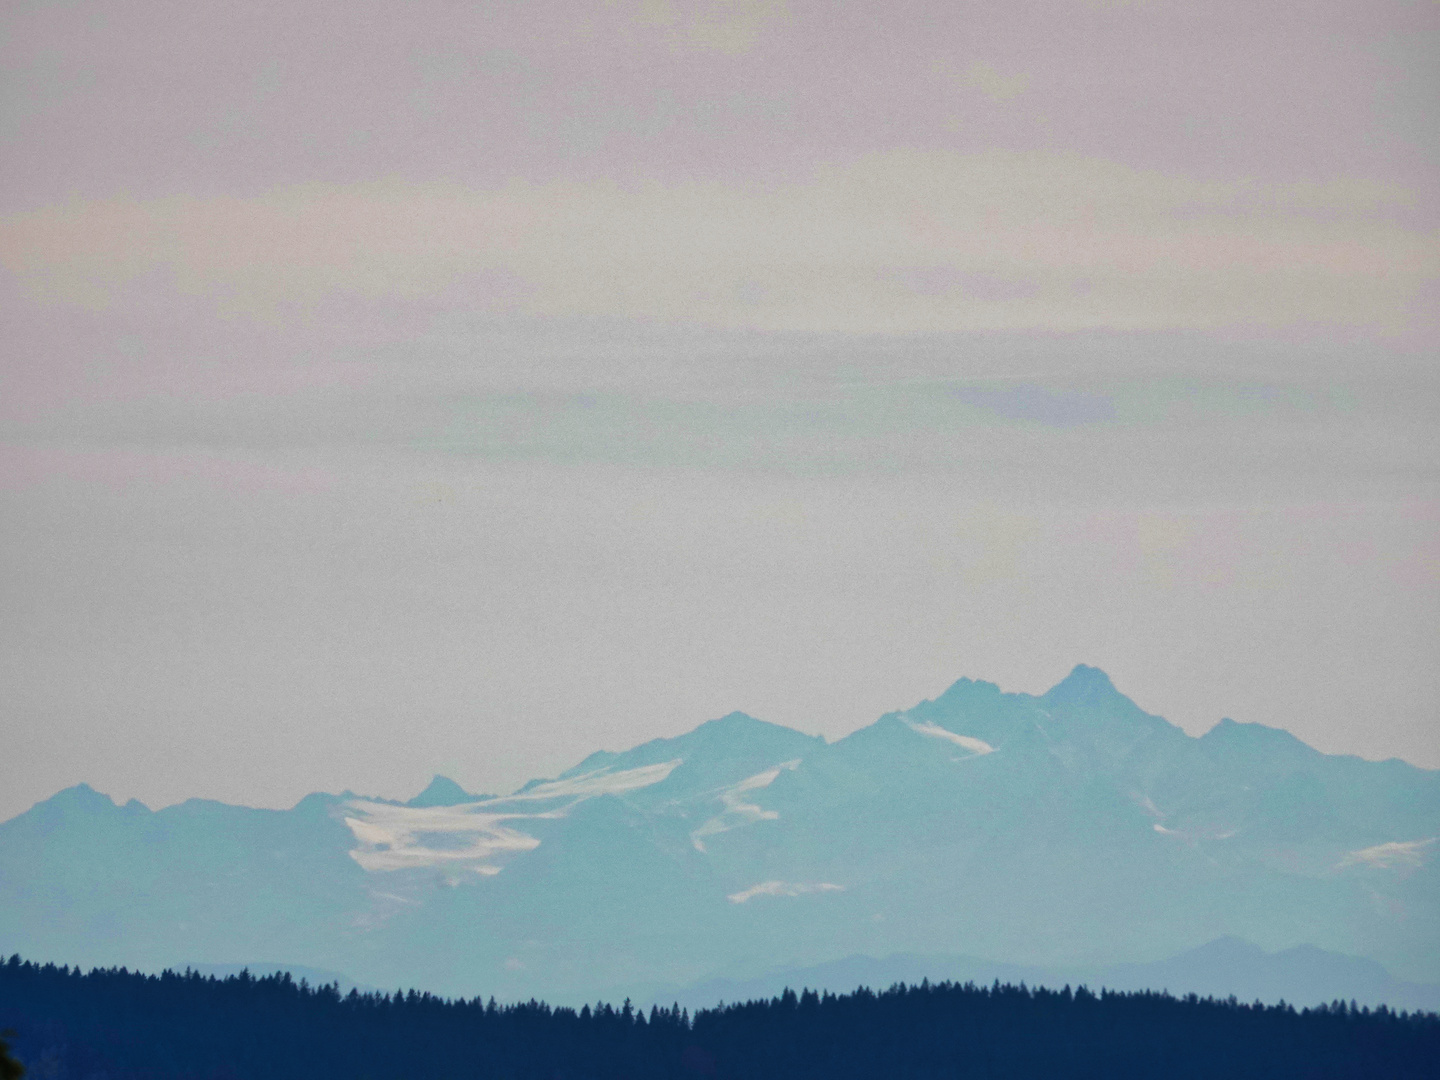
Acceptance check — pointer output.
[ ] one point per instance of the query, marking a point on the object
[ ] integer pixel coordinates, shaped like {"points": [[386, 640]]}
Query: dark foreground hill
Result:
{"points": [[128, 1026]]}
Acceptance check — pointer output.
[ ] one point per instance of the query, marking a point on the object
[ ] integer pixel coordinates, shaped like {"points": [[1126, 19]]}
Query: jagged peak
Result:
{"points": [[739, 732], [736, 720], [1228, 731], [1085, 685], [80, 797], [320, 802], [442, 791], [725, 736], [734, 731], [967, 687]]}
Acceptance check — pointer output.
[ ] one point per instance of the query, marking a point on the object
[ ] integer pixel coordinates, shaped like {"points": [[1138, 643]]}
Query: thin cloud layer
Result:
{"points": [[895, 242], [392, 383]]}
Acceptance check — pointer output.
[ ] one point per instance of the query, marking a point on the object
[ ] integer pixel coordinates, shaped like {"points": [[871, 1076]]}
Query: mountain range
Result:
{"points": [[1069, 834]]}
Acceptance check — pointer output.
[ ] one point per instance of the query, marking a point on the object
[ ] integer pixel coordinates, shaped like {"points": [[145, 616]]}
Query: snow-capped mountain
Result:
{"points": [[1067, 829]]}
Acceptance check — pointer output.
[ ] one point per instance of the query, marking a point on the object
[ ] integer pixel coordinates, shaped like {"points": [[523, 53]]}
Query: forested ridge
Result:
{"points": [[113, 1024]]}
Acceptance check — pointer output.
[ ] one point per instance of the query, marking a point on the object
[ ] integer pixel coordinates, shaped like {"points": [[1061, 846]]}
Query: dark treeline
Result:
{"points": [[120, 1025]]}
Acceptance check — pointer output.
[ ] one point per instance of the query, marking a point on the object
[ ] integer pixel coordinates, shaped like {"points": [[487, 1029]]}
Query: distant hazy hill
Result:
{"points": [[1067, 831], [1301, 976]]}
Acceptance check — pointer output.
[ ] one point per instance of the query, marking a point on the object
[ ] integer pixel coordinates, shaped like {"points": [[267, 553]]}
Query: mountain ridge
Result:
{"points": [[1056, 830]]}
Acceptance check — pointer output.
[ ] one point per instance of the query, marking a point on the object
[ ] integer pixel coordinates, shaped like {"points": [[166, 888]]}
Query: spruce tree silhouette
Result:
{"points": [[10, 1069], [185, 1026]]}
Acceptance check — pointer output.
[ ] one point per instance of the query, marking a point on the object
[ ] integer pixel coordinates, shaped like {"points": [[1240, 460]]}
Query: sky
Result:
{"points": [[465, 387]]}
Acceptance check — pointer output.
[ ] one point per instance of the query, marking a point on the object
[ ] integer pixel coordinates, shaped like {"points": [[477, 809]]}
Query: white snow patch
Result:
{"points": [[394, 837], [1192, 837], [737, 812], [783, 888], [1388, 856], [472, 834], [965, 742], [599, 782], [395, 899]]}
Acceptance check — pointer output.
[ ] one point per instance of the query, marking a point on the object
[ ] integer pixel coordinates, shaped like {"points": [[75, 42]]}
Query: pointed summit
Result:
{"points": [[1250, 740], [442, 791], [1084, 686], [81, 798]]}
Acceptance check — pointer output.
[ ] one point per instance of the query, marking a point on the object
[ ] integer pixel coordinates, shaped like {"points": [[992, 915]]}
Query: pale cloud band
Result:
{"points": [[890, 242]]}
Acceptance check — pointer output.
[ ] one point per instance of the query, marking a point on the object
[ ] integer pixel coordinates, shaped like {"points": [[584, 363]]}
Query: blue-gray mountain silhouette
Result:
{"points": [[442, 791], [1061, 831]]}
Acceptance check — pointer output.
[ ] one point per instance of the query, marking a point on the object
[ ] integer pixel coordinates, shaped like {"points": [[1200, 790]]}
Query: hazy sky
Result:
{"points": [[391, 389]]}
